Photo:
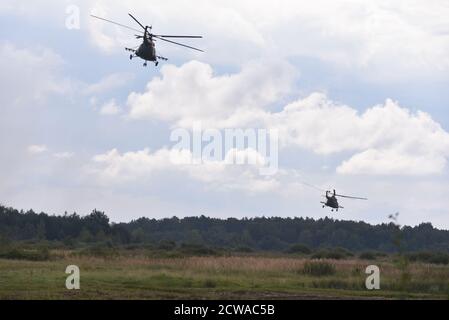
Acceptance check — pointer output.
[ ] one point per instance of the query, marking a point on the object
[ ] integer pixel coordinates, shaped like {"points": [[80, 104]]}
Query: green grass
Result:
{"points": [[143, 275]]}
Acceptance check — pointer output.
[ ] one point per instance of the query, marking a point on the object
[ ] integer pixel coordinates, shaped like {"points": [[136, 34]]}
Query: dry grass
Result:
{"points": [[131, 276]]}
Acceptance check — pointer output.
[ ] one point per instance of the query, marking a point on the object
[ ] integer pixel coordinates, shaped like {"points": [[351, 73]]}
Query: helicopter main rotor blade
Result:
{"points": [[136, 21], [177, 43], [166, 36], [349, 197], [116, 23]]}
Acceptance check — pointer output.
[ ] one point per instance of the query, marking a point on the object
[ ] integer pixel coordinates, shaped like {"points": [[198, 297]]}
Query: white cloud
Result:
{"points": [[30, 75], [326, 127], [213, 20], [113, 168], [108, 83], [63, 155], [214, 100], [37, 149], [244, 100], [391, 162], [388, 139], [110, 109], [32, 10], [382, 41]]}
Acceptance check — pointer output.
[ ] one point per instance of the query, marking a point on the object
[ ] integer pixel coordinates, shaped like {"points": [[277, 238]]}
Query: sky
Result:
{"points": [[356, 90]]}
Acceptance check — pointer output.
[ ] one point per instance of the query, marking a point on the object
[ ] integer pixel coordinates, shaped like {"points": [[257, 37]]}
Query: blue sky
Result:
{"points": [[358, 92]]}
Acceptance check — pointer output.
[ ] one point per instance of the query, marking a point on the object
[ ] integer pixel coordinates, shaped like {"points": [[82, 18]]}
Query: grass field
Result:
{"points": [[140, 275]]}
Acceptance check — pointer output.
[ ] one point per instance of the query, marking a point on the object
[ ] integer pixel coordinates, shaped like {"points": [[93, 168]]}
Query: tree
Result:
{"points": [[97, 221], [256, 234], [85, 235], [41, 231]]}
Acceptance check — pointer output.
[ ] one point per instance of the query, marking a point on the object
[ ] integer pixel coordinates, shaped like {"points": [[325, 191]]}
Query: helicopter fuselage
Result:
{"points": [[147, 51], [331, 201]]}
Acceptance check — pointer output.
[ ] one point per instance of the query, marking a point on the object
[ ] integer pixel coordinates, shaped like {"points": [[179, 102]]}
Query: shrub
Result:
{"points": [[343, 251], [429, 257], [167, 245], [368, 255], [99, 251], [4, 240], [209, 284], [244, 249], [332, 253], [193, 249], [41, 254], [299, 248], [319, 269]]}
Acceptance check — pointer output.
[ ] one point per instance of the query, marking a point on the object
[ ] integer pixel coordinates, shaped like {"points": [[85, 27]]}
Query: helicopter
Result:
{"points": [[147, 50], [332, 202]]}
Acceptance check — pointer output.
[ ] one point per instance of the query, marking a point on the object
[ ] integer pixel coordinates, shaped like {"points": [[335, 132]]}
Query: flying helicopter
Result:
{"points": [[147, 50], [332, 201]]}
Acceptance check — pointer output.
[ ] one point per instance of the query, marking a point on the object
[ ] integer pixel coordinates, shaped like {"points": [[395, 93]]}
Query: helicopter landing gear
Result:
{"points": [[131, 57]]}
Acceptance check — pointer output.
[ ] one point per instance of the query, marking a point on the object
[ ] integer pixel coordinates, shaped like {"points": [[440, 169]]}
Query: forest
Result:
{"points": [[255, 234]]}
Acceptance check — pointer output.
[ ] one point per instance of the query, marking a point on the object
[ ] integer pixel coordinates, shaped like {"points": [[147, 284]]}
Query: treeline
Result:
{"points": [[268, 234]]}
